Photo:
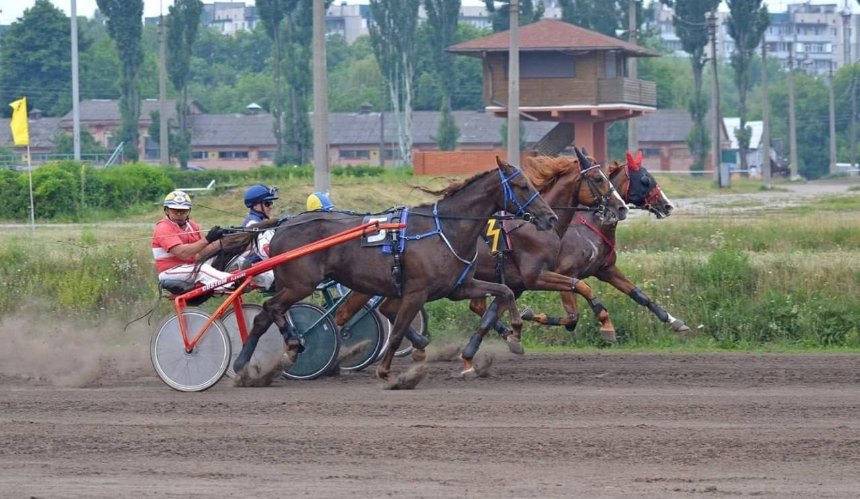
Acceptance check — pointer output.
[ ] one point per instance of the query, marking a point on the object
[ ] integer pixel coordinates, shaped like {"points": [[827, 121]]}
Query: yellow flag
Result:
{"points": [[20, 130]]}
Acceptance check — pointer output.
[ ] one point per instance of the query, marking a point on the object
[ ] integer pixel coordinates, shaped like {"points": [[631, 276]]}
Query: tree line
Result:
{"points": [[401, 66]]}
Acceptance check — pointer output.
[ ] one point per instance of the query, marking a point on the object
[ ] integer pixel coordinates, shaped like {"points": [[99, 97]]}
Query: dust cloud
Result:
{"points": [[39, 349]]}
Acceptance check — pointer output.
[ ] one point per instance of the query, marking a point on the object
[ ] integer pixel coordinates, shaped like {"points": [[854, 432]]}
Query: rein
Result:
{"points": [[582, 221]]}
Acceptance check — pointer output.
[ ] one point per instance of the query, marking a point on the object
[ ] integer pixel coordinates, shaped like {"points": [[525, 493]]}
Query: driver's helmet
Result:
{"points": [[178, 200], [259, 193], [319, 201]]}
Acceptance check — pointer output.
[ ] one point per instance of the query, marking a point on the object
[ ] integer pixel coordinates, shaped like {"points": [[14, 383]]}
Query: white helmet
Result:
{"points": [[178, 200]]}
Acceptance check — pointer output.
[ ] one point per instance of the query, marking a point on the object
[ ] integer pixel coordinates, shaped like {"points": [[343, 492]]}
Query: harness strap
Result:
{"points": [[582, 221], [438, 232]]}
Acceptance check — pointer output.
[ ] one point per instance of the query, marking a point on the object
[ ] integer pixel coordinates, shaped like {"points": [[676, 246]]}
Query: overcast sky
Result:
{"points": [[13, 9]]}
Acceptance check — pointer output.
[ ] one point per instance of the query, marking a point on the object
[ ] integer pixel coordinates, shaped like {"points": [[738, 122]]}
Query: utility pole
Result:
{"points": [[846, 50], [792, 124], [514, 85], [76, 109], [832, 109], [322, 180], [163, 150], [765, 116], [632, 132], [721, 178]]}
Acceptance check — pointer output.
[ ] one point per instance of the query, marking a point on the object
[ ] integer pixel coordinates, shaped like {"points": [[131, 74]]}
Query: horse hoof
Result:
{"points": [[419, 355], [609, 336], [515, 346], [467, 374], [527, 314], [679, 326], [382, 374]]}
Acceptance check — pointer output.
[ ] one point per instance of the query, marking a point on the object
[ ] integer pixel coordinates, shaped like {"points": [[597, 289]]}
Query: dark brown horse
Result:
{"points": [[436, 260], [588, 248], [563, 183]]}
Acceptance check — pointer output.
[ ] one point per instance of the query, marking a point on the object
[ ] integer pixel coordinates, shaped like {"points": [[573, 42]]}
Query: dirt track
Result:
{"points": [[586, 425]]}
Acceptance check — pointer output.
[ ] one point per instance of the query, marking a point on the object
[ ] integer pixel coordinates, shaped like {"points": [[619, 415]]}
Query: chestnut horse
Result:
{"points": [[588, 248], [563, 182], [437, 257]]}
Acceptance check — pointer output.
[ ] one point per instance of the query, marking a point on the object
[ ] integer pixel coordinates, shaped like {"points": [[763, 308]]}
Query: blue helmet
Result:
{"points": [[319, 201], [259, 193]]}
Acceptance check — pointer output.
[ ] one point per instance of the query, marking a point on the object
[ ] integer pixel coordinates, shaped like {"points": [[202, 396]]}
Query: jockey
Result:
{"points": [[177, 239], [258, 199], [319, 201]]}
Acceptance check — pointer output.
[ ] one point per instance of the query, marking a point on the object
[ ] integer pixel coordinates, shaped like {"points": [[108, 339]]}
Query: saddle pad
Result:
{"points": [[385, 238]]}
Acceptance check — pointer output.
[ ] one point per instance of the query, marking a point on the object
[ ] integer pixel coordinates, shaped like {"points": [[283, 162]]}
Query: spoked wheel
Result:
{"points": [[419, 324], [270, 344], [319, 337], [365, 327], [193, 371]]}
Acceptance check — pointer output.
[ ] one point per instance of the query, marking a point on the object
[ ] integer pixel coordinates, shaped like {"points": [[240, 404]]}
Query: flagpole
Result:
{"points": [[30, 174]]}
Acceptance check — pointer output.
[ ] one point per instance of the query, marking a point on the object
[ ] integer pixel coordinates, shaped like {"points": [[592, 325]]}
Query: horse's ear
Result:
{"points": [[583, 161], [639, 157], [630, 163], [500, 162]]}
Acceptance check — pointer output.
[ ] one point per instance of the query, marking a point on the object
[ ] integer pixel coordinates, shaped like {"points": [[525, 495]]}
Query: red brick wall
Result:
{"points": [[454, 162]]}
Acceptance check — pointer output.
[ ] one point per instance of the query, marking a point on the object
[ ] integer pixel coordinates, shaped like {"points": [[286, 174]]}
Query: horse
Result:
{"points": [[435, 258], [563, 183], [588, 247]]}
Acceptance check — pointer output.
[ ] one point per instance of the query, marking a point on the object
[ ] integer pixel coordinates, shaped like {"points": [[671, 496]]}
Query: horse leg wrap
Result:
{"points": [[640, 298], [489, 317], [658, 311], [502, 329], [418, 341], [572, 320], [243, 357], [290, 337], [473, 345], [596, 306]]}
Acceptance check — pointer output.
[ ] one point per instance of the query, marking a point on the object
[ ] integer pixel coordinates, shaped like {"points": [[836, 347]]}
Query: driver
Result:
{"points": [[177, 239]]}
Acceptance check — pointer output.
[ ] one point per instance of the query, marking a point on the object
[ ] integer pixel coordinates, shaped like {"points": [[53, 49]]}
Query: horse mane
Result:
{"points": [[543, 170], [453, 187], [614, 169]]}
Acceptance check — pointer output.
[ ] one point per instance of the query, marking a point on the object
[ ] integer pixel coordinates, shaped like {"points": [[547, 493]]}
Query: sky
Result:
{"points": [[10, 10]]}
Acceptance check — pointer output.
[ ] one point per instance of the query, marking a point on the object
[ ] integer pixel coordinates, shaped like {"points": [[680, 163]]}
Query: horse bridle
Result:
{"points": [[602, 199], [651, 197], [511, 198]]}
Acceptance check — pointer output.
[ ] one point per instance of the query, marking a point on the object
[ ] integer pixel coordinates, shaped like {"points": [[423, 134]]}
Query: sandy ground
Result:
{"points": [[574, 425]]}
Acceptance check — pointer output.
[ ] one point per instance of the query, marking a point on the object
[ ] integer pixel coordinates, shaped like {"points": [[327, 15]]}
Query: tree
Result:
{"points": [[690, 26], [125, 24], [183, 20], [272, 13], [447, 133], [392, 35], [603, 16], [501, 16], [747, 21], [35, 60]]}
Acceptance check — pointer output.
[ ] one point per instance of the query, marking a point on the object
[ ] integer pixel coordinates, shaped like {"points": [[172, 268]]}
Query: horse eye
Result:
{"points": [[645, 181]]}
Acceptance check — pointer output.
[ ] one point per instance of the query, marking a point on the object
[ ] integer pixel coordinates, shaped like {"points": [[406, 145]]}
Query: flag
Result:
{"points": [[20, 130]]}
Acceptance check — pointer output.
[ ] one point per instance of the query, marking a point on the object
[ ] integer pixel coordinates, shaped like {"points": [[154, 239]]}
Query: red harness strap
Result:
{"points": [[582, 221]]}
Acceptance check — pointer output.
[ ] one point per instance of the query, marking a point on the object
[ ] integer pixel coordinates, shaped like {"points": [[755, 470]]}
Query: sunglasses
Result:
{"points": [[267, 204]]}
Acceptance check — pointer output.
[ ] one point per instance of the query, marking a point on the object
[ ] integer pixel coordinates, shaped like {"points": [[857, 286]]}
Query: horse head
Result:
{"points": [[522, 199], [597, 191], [640, 188]]}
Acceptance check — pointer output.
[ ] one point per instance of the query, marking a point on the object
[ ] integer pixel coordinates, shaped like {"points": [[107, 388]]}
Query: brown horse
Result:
{"points": [[436, 260], [563, 183], [588, 248]]}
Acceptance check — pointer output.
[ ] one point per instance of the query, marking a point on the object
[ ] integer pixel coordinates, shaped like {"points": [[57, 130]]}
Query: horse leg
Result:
{"points": [[607, 329], [389, 308], [619, 281], [504, 300], [479, 306], [405, 309], [568, 301], [261, 324], [350, 307]]}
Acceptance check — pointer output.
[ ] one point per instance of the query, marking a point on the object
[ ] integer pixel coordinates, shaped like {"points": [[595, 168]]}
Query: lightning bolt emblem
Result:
{"points": [[493, 234]]}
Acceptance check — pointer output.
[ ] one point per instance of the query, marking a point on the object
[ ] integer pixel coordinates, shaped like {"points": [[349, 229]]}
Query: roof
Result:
{"points": [[667, 125], [107, 110], [733, 123], [42, 132], [550, 34], [209, 130]]}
